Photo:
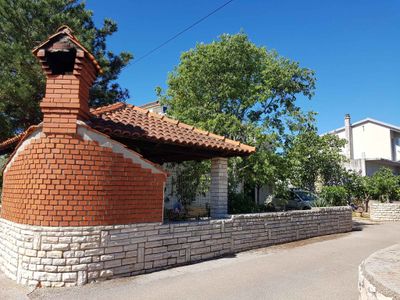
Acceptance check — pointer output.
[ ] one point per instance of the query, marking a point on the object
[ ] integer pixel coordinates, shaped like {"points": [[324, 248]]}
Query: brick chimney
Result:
{"points": [[70, 72]]}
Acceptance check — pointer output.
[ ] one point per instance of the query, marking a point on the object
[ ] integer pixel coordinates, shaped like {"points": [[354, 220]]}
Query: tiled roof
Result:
{"points": [[130, 121], [11, 143]]}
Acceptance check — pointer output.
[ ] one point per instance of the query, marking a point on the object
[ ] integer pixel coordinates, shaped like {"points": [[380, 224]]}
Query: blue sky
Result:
{"points": [[353, 45]]}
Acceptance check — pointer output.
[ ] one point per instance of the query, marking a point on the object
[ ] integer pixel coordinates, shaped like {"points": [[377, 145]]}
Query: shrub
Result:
{"points": [[240, 203], [384, 185], [320, 202], [334, 195]]}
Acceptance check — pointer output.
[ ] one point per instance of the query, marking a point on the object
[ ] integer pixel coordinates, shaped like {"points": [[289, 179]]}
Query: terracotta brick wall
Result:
{"points": [[63, 180], [66, 101]]}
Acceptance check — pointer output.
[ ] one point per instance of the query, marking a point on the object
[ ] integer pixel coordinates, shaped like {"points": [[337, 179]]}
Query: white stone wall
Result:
{"points": [[68, 256], [385, 211], [379, 275]]}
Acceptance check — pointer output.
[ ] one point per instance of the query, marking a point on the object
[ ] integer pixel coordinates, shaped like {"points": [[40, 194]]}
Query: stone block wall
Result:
{"points": [[385, 211], [68, 256]]}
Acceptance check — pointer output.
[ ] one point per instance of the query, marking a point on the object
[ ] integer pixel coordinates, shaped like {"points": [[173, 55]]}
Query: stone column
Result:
{"points": [[219, 187]]}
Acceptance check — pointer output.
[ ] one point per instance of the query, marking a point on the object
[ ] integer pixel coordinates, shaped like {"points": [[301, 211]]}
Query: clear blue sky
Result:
{"points": [[353, 45]]}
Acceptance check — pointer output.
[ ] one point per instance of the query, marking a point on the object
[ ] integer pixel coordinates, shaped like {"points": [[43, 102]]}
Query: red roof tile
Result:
{"points": [[130, 121], [12, 143]]}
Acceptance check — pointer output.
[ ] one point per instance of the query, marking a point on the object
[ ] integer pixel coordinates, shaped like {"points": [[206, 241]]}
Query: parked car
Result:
{"points": [[292, 199]]}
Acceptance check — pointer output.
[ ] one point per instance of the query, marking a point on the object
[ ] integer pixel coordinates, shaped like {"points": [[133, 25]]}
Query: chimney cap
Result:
{"points": [[347, 116], [66, 31]]}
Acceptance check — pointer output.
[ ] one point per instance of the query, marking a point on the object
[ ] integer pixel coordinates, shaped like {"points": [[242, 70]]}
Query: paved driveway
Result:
{"points": [[319, 268]]}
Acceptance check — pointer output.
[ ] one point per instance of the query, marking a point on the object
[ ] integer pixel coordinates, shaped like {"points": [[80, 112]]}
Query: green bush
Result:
{"points": [[320, 202], [239, 203], [384, 185], [334, 195]]}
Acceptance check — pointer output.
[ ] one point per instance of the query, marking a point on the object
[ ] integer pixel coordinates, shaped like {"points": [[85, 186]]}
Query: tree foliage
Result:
{"points": [[192, 179], [247, 93], [3, 160], [313, 158], [384, 185], [334, 195], [23, 25], [231, 86]]}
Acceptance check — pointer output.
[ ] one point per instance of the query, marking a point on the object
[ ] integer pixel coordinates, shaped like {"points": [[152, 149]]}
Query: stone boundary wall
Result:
{"points": [[385, 211], [379, 275], [68, 256]]}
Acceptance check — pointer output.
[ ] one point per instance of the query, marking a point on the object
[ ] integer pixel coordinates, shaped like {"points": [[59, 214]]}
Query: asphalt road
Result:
{"points": [[319, 268]]}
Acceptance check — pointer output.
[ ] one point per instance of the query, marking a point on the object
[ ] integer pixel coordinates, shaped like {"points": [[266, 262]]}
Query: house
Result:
{"points": [[155, 107], [84, 176], [86, 167], [371, 144]]}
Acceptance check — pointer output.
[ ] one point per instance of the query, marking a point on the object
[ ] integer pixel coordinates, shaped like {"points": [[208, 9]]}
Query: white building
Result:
{"points": [[371, 144]]}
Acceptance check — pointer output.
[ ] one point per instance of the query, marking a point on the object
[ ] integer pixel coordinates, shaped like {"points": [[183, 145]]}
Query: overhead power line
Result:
{"points": [[181, 32]]}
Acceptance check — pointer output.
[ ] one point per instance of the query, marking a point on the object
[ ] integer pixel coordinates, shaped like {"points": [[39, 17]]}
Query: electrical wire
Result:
{"points": [[181, 32]]}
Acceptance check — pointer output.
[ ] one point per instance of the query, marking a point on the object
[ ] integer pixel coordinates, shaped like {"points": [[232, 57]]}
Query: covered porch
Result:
{"points": [[163, 140]]}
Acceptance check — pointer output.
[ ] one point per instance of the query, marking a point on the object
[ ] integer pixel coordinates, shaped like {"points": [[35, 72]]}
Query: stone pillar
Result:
{"points": [[219, 187]]}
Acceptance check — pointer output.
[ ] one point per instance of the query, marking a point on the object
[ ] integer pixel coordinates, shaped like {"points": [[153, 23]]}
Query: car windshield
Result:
{"points": [[306, 196]]}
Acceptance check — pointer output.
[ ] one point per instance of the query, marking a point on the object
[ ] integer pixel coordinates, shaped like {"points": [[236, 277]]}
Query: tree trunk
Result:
{"points": [[258, 194], [366, 205]]}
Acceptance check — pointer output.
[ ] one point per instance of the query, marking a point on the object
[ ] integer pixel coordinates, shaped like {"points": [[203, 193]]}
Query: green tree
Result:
{"points": [[312, 158], [384, 185], [266, 166], [358, 188], [3, 160], [192, 179], [24, 24], [334, 195], [247, 93], [229, 84]]}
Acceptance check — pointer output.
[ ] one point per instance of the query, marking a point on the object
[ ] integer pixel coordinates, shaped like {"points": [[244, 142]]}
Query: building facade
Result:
{"points": [[371, 145]]}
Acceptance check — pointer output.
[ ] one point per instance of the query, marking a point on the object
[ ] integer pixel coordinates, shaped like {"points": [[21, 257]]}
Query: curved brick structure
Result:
{"points": [[64, 173], [385, 211], [379, 275], [64, 180]]}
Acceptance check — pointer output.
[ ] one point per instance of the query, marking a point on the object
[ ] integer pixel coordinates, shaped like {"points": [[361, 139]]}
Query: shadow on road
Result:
{"points": [[359, 225]]}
